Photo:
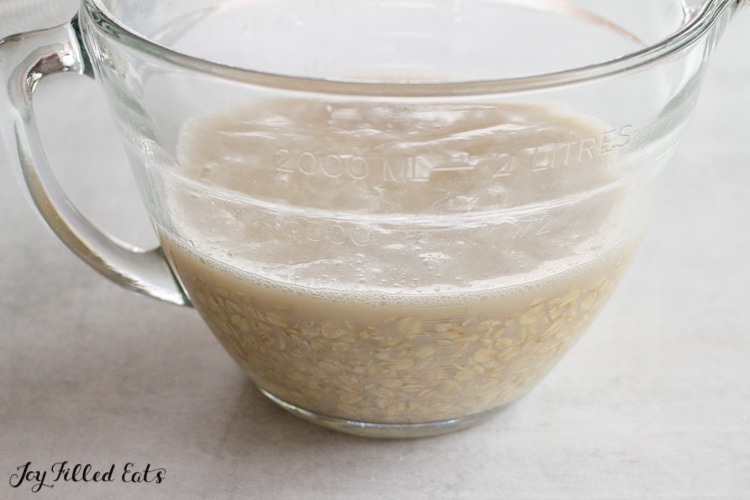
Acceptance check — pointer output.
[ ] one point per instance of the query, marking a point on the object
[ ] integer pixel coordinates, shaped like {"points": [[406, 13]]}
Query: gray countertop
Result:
{"points": [[653, 402]]}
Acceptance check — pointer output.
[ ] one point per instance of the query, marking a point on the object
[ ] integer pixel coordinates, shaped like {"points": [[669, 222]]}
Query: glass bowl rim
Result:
{"points": [[688, 34]]}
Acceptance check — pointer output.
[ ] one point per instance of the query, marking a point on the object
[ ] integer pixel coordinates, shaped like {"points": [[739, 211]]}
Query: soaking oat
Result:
{"points": [[397, 263]]}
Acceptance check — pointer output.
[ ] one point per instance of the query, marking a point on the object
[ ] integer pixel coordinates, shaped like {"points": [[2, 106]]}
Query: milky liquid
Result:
{"points": [[397, 263]]}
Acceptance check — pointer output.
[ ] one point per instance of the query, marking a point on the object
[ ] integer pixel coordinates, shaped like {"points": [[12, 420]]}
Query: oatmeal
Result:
{"points": [[366, 358], [397, 263]]}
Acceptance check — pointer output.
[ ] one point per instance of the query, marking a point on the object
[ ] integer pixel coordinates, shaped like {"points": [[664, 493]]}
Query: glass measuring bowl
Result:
{"points": [[396, 216]]}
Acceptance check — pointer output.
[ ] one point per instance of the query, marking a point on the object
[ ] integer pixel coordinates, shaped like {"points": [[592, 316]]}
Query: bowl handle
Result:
{"points": [[25, 59]]}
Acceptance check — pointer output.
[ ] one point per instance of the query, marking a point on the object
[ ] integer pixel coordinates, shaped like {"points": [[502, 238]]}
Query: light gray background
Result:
{"points": [[654, 402]]}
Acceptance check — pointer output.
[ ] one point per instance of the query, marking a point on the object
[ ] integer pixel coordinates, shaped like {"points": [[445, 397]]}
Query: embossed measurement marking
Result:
{"points": [[422, 167], [329, 165]]}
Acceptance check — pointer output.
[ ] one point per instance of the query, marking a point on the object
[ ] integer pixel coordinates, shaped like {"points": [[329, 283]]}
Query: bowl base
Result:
{"points": [[384, 431]]}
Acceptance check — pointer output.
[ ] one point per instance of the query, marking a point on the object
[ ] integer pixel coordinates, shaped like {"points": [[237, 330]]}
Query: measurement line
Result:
{"points": [[453, 169]]}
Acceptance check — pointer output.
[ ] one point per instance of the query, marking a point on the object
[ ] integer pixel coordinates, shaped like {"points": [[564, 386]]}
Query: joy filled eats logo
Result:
{"points": [[62, 472]]}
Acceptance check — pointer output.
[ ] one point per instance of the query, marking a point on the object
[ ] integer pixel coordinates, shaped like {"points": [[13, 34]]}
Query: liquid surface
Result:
{"points": [[397, 263], [398, 198]]}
